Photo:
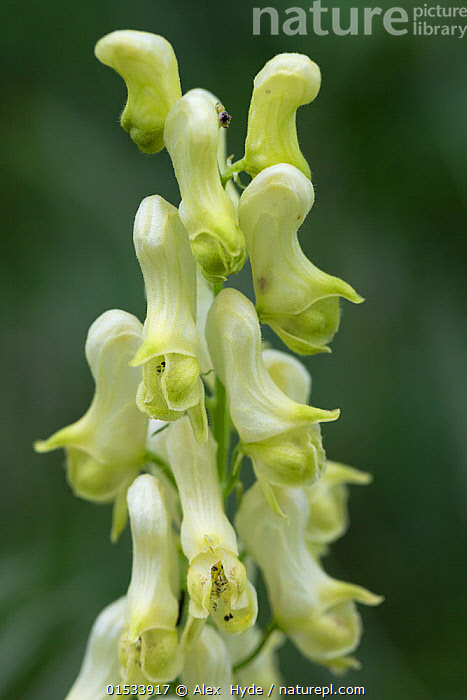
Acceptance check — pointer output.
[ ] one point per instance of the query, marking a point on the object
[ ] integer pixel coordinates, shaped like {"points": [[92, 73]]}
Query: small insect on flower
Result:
{"points": [[224, 116]]}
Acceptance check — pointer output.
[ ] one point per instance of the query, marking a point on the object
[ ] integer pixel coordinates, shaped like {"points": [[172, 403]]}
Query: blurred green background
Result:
{"points": [[387, 143]]}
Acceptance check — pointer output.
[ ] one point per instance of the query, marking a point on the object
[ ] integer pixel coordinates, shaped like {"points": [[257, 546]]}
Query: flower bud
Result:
{"points": [[171, 384], [100, 666], [217, 581], [192, 139], [328, 504], [105, 448], [281, 436], [286, 82], [147, 64], [298, 301], [316, 611], [208, 662], [149, 642], [289, 374]]}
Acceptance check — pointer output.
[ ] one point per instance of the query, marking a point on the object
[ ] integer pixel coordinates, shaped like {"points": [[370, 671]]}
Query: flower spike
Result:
{"points": [[316, 611], [171, 384], [282, 437], [192, 139], [149, 642], [298, 301], [148, 66], [217, 581], [105, 449], [286, 82]]}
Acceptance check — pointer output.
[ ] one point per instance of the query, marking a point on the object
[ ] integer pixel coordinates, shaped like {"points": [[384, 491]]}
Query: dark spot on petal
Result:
{"points": [[262, 284]]}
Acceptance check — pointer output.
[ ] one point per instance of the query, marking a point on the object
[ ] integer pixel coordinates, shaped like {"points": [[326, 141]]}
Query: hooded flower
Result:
{"points": [[286, 82], [217, 581], [316, 611], [171, 384], [105, 449], [149, 642], [282, 437], [149, 68], [100, 666], [298, 301], [192, 139]]}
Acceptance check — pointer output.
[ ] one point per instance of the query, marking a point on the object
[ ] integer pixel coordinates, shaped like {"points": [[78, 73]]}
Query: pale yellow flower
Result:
{"points": [[171, 383], [316, 611], [149, 642], [217, 581], [105, 448], [148, 66], [298, 300]]}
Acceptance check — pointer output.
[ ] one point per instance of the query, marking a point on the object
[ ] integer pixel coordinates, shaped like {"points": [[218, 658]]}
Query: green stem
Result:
{"points": [[236, 167], [239, 493], [220, 415], [221, 428], [266, 634], [217, 288], [162, 464], [237, 459]]}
